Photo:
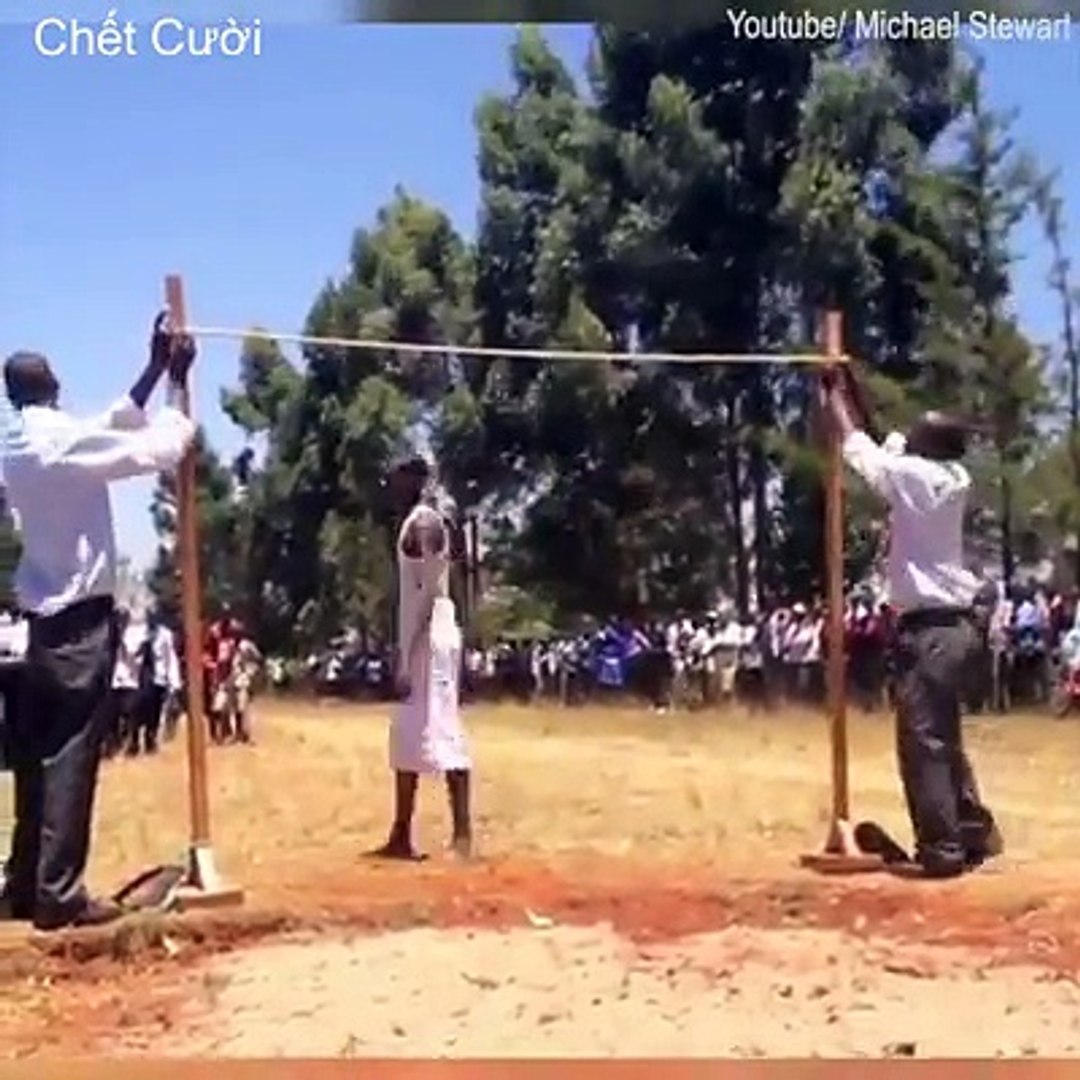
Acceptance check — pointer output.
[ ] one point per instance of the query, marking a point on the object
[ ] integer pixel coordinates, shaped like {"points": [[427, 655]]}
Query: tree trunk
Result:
{"points": [[759, 480], [733, 468], [1008, 554], [1062, 285], [1072, 360], [473, 562]]}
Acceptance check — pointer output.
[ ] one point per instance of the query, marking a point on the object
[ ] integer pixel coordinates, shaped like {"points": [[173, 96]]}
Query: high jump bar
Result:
{"points": [[492, 352], [841, 853]]}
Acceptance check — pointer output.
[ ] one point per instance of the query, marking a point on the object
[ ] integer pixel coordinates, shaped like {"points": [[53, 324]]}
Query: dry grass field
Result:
{"points": [[635, 894]]}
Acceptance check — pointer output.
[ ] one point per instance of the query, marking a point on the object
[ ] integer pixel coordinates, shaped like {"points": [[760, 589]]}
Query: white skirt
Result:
{"points": [[426, 733]]}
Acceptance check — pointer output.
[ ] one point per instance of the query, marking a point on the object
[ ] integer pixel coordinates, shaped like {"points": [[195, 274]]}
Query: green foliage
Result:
{"points": [[700, 193], [10, 549], [223, 539], [513, 614]]}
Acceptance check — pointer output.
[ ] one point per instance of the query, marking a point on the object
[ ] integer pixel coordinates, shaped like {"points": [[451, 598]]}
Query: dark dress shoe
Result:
{"points": [[913, 871], [93, 913], [15, 909], [990, 847], [872, 839], [933, 870]]}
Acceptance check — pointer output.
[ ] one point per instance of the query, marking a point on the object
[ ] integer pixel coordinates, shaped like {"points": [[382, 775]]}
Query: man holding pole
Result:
{"points": [[937, 642], [58, 471]]}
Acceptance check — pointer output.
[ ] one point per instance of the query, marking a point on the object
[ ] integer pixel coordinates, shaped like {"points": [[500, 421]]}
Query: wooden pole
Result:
{"points": [[190, 604], [842, 854], [203, 885], [836, 690]]}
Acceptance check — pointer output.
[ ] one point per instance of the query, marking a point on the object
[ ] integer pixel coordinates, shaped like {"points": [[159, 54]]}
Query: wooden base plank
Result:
{"points": [[189, 898], [827, 862]]}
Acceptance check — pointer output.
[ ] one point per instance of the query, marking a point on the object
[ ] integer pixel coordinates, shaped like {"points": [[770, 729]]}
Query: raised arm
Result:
{"points": [[109, 452], [869, 458], [426, 538], [128, 413]]}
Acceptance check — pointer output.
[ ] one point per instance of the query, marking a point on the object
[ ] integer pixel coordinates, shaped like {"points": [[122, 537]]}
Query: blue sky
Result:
{"points": [[249, 176]]}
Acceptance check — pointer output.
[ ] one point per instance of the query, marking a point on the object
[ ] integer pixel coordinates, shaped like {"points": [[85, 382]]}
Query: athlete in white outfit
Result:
{"points": [[426, 734]]}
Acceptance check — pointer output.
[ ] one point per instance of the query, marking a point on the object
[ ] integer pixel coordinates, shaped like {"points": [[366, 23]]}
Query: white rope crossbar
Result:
{"points": [[571, 355]]}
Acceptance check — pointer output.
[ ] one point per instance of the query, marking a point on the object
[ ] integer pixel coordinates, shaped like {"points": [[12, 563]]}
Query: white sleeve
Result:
{"points": [[411, 616], [109, 454], [905, 479], [122, 415], [876, 465]]}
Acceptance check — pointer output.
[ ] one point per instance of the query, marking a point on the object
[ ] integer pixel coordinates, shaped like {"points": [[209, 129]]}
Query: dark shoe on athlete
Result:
{"points": [[393, 851]]}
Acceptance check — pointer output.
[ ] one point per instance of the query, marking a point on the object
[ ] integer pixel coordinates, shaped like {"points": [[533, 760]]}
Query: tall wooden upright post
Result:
{"points": [[203, 887], [841, 854], [835, 676]]}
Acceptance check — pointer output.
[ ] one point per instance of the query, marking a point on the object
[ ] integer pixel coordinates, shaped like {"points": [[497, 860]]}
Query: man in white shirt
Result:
{"points": [[801, 652], [237, 688], [726, 642], [926, 488], [58, 470], [775, 628], [156, 658], [750, 685], [123, 731], [701, 650]]}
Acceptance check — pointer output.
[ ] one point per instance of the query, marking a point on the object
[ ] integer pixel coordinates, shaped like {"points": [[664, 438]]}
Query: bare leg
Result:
{"points": [[457, 787], [399, 845]]}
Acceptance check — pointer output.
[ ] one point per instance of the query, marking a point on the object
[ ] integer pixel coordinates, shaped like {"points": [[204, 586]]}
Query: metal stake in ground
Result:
{"points": [[202, 887], [841, 854]]}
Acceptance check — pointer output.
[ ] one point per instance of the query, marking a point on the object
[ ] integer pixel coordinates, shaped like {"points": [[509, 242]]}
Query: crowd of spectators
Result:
{"points": [[694, 661]]}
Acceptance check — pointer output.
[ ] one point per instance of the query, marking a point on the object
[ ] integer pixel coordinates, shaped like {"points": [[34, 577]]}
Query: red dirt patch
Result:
{"points": [[101, 982]]}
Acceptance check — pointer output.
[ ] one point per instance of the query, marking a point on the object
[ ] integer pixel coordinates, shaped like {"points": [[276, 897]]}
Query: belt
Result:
{"points": [[933, 618], [86, 603]]}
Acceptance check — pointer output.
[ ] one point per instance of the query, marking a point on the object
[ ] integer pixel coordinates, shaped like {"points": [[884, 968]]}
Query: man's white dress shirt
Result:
{"points": [[57, 472], [803, 642], [927, 500], [14, 638], [126, 671], [166, 661]]}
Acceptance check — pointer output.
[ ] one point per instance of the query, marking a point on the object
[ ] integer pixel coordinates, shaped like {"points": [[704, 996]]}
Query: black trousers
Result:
{"points": [[10, 692], [118, 728], [148, 714], [56, 753], [936, 654]]}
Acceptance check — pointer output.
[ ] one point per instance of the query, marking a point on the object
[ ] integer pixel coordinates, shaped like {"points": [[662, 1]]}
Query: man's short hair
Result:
{"points": [[939, 437], [29, 379], [413, 465]]}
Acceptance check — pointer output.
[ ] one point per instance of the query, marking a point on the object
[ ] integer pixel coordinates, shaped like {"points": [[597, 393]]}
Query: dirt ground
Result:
{"points": [[635, 896], [587, 992]]}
